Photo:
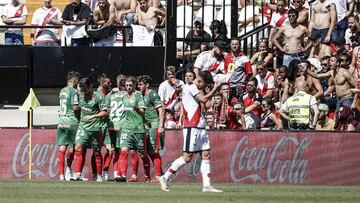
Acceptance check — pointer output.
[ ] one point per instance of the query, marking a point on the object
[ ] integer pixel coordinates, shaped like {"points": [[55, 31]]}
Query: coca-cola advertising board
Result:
{"points": [[316, 158]]}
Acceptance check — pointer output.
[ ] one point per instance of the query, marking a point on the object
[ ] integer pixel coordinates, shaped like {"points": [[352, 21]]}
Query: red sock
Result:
{"points": [[93, 164], [83, 158], [99, 162], [157, 164], [61, 158], [107, 160], [78, 161], [115, 161], [134, 162], [146, 163], [123, 162], [69, 158]]}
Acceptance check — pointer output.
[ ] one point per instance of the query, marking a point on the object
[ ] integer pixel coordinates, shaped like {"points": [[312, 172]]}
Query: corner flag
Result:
{"points": [[29, 104]]}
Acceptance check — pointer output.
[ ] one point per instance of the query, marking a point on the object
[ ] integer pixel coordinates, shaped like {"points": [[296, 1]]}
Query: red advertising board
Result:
{"points": [[316, 158]]}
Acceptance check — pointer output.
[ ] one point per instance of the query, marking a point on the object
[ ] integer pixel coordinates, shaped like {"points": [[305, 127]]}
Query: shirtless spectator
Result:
{"points": [[192, 45], [76, 15], [148, 16], [266, 81], [14, 13], [104, 15], [170, 89], [303, 17], [212, 61], [125, 14], [237, 67], [294, 38], [313, 85], [280, 82], [46, 15], [323, 20], [355, 62]]}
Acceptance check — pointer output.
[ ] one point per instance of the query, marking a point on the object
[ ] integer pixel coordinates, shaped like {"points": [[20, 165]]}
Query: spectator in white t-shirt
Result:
{"points": [[14, 13], [47, 15], [350, 31], [169, 90]]}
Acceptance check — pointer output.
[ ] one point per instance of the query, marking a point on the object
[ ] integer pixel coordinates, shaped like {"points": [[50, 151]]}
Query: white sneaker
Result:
{"points": [[107, 177], [99, 178], [76, 177], [82, 178], [210, 189], [68, 174], [61, 178], [164, 184]]}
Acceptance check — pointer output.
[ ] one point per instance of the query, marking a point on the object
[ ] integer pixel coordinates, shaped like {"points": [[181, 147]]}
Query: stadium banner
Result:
{"points": [[315, 158]]}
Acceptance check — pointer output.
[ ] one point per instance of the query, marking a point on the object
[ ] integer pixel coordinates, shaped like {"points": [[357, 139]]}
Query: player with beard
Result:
{"points": [[154, 119], [93, 109], [195, 135], [132, 131]]}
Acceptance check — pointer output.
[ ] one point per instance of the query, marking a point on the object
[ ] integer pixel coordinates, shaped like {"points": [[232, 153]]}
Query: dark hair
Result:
{"points": [[308, 64], [102, 77], [292, 70], [346, 56], [293, 11], [270, 102], [218, 94], [325, 58], [171, 69], [190, 71], [253, 79], [145, 79], [283, 66], [206, 77], [85, 83], [73, 74]]}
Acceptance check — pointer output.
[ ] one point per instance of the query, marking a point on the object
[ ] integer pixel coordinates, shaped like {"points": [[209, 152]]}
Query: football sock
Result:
{"points": [[157, 163], [115, 163], [146, 163], [175, 166], [83, 159], [206, 172], [123, 162], [61, 158], [99, 162], [134, 162], [93, 164], [107, 160], [69, 158], [78, 161]]}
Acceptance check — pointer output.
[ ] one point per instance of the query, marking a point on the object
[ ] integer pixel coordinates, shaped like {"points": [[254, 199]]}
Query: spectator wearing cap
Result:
{"points": [[213, 61], [324, 123], [196, 41]]}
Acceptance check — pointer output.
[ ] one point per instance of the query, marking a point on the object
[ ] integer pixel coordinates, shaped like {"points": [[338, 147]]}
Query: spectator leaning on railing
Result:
{"points": [[14, 13], [46, 15]]}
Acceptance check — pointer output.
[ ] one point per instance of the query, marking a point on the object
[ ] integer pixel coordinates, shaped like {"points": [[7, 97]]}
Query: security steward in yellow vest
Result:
{"points": [[299, 108]]}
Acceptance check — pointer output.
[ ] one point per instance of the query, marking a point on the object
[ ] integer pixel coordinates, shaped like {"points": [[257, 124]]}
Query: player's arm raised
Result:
{"points": [[204, 98]]}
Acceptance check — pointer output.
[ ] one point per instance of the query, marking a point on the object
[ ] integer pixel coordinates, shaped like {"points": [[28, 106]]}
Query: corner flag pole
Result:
{"points": [[30, 143], [29, 104]]}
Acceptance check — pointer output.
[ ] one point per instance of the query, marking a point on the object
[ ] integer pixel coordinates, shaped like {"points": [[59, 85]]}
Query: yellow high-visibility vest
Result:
{"points": [[299, 108]]}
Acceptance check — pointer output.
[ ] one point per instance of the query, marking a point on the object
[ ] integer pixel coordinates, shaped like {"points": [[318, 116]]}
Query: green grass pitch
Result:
{"points": [[53, 191]]}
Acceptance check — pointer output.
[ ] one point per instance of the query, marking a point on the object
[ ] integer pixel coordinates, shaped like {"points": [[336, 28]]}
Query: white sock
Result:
{"points": [[205, 171], [115, 174], [175, 166]]}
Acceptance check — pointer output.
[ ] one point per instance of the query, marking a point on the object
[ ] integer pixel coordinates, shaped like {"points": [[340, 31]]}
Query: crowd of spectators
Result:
{"points": [[305, 74], [87, 23]]}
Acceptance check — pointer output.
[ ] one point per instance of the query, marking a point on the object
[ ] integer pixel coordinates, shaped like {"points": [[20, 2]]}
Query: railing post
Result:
{"points": [[170, 49], [234, 18]]}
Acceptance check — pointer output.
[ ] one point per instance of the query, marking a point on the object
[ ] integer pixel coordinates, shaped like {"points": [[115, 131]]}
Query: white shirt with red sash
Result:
{"points": [[168, 94], [279, 20], [207, 61], [193, 116], [41, 17], [14, 13], [266, 83]]}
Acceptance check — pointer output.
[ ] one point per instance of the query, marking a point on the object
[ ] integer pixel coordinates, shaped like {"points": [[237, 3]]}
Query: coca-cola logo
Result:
{"points": [[44, 159], [282, 163], [192, 169]]}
